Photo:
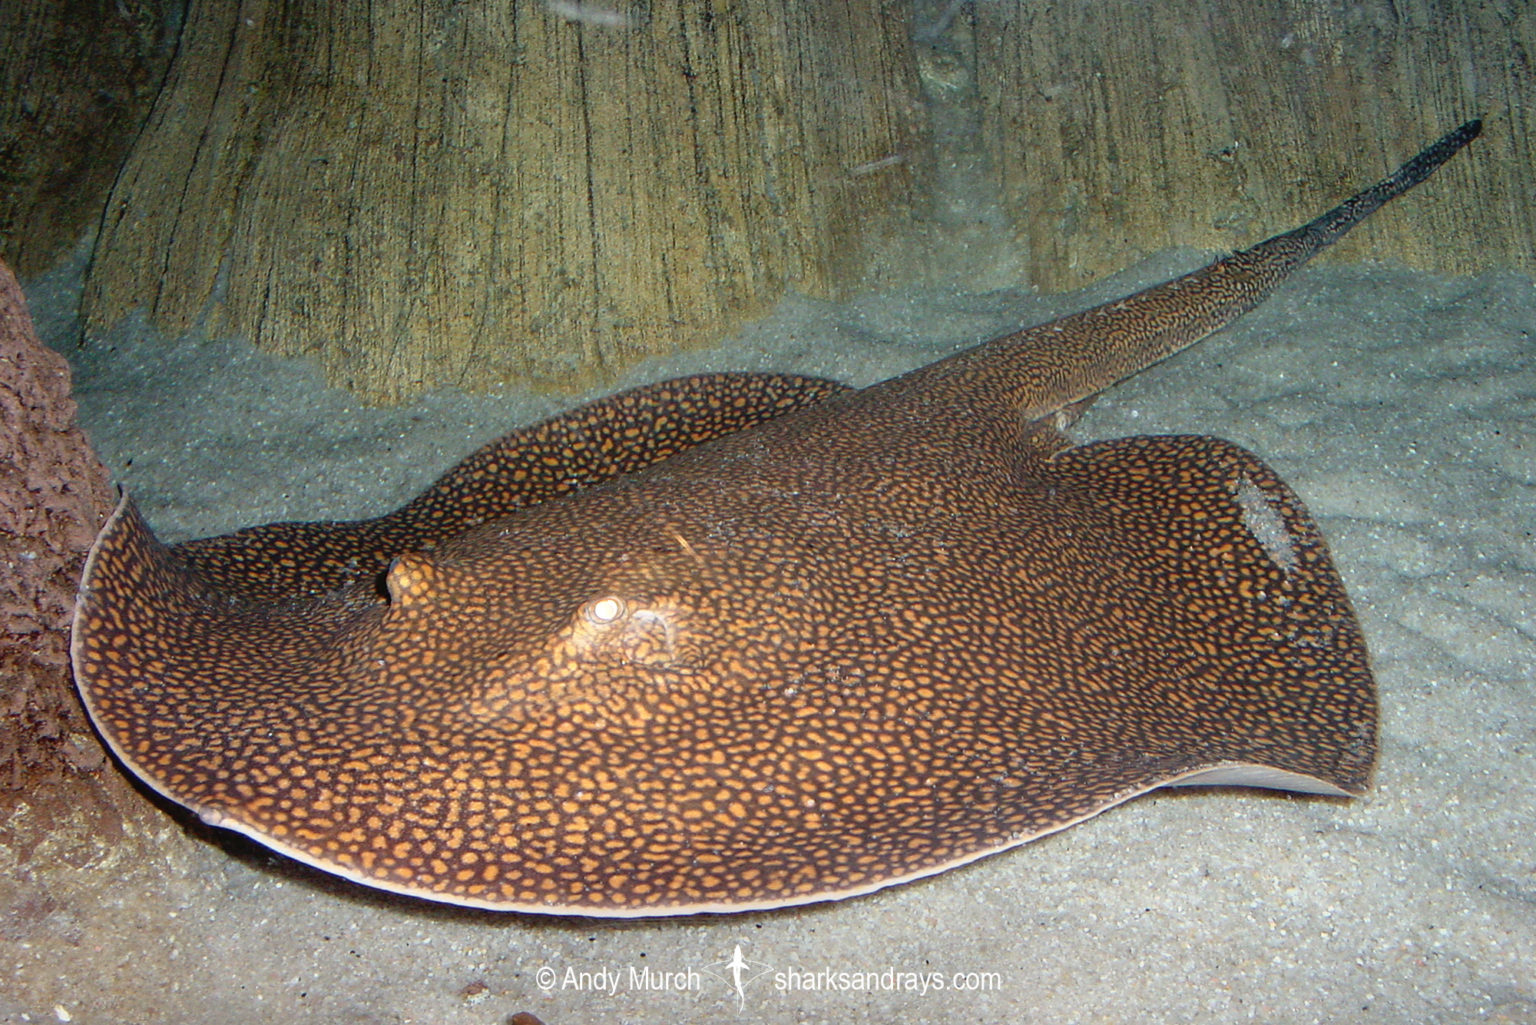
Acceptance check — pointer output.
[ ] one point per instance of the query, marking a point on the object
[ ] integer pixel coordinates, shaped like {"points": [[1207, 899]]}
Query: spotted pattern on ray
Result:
{"points": [[838, 641], [606, 439]]}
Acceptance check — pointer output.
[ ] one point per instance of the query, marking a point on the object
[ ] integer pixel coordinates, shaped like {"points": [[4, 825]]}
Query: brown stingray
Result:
{"points": [[739, 641]]}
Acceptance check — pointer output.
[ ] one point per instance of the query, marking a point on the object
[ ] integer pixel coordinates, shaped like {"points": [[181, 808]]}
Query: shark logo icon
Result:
{"points": [[737, 973]]}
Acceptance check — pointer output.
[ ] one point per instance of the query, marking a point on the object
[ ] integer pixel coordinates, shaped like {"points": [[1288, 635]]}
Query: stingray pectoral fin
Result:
{"points": [[118, 635], [1261, 776], [1204, 599], [599, 441], [609, 438], [177, 673]]}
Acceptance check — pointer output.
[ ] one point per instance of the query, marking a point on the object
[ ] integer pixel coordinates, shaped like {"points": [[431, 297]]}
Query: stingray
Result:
{"points": [[743, 641]]}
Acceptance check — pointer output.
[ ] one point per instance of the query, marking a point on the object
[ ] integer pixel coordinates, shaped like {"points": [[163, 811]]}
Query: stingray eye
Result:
{"points": [[604, 610]]}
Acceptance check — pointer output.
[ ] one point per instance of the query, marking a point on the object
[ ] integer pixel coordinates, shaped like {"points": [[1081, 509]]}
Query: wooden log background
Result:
{"points": [[428, 192], [77, 78], [1122, 128]]}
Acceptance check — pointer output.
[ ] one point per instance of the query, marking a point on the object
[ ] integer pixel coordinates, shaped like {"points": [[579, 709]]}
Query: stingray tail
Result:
{"points": [[1333, 225], [1043, 369]]}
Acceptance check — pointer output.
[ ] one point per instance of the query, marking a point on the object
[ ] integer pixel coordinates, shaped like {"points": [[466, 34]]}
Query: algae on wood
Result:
{"points": [[427, 192]]}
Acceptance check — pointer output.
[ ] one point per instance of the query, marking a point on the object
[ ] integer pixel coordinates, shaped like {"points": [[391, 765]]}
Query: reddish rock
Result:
{"points": [[63, 806], [54, 496]]}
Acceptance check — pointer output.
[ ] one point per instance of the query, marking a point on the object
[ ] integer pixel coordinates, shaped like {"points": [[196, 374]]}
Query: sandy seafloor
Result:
{"points": [[1398, 405]]}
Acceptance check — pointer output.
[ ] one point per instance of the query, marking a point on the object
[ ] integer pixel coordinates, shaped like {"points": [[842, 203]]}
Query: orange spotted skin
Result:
{"points": [[619, 435], [782, 642]]}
